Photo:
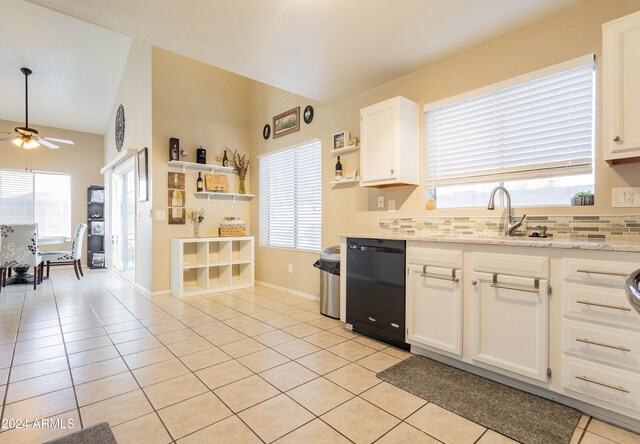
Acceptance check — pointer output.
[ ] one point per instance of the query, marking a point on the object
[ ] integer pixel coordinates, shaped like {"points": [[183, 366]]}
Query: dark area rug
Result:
{"points": [[522, 416]]}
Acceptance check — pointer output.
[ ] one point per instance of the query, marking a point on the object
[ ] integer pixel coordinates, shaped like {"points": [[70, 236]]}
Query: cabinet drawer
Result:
{"points": [[602, 383], [597, 272], [510, 264], [434, 257], [605, 344], [599, 304]]}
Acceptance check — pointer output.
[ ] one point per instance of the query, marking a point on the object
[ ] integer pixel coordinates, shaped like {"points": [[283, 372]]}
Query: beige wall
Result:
{"points": [[134, 93], [82, 161], [200, 105], [352, 209]]}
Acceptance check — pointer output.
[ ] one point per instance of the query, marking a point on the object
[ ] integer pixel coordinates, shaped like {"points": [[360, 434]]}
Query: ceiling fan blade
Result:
{"points": [[53, 139], [48, 144], [7, 138]]}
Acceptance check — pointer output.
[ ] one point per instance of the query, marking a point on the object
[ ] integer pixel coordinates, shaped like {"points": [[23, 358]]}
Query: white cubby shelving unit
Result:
{"points": [[210, 264]]}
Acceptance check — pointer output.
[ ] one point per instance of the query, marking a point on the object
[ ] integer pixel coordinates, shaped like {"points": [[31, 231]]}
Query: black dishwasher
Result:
{"points": [[376, 289]]}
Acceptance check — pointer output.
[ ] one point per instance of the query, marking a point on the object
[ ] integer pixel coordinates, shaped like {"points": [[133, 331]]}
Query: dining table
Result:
{"points": [[21, 276]]}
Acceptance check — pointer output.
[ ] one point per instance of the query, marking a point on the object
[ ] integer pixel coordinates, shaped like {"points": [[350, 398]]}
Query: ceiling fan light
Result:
{"points": [[26, 143]]}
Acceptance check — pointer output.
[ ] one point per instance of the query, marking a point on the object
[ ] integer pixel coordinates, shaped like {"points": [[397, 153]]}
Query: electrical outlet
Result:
{"points": [[380, 201], [290, 268], [625, 198], [392, 205]]}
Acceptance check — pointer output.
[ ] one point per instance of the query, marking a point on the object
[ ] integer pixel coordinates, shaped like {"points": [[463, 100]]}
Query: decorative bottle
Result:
{"points": [[338, 169], [225, 159], [199, 183]]}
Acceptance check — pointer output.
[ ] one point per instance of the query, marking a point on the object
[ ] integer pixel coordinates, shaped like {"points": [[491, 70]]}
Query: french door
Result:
{"points": [[123, 218]]}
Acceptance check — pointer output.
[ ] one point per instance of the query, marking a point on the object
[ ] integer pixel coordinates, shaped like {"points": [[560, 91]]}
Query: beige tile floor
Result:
{"points": [[257, 365]]}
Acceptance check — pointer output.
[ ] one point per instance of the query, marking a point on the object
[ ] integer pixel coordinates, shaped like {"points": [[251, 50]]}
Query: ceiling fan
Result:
{"points": [[26, 137]]}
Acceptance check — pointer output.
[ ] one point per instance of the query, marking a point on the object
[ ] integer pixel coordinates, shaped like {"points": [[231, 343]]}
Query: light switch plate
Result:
{"points": [[392, 205], [160, 214], [625, 198], [380, 201]]}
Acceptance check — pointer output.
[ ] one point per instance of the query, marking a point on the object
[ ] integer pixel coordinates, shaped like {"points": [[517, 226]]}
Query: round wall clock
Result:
{"points": [[308, 114], [120, 127], [266, 131]]}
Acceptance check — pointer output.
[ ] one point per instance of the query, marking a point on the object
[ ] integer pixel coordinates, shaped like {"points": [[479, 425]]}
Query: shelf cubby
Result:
{"points": [[208, 265]]}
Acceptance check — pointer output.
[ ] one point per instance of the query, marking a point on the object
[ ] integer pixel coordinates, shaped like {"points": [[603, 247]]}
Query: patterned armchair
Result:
{"points": [[68, 257], [19, 248]]}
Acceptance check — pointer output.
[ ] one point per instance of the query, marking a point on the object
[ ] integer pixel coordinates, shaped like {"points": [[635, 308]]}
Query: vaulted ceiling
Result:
{"points": [[321, 49]]}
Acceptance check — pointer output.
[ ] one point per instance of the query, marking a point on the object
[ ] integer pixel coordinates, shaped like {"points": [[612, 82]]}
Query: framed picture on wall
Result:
{"points": [[176, 198], [286, 123], [340, 140], [143, 183], [176, 181], [176, 216]]}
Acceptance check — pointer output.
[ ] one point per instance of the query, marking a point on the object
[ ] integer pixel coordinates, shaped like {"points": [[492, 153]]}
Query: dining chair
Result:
{"points": [[19, 248], [70, 257]]}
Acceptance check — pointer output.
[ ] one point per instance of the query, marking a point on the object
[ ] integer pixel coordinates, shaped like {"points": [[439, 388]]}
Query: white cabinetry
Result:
{"points": [[389, 143], [600, 335], [621, 87], [208, 265], [434, 299], [510, 313]]}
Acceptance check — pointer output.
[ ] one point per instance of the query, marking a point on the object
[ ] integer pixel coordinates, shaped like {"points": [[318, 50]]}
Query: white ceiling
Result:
{"points": [[76, 68], [321, 49]]}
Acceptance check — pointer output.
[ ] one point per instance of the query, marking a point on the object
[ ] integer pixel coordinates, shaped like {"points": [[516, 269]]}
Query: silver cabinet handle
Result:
{"points": [[606, 273], [604, 384], [393, 324], [392, 171], [602, 344], [617, 139], [474, 282], [535, 289], [372, 319], [452, 278], [596, 304]]}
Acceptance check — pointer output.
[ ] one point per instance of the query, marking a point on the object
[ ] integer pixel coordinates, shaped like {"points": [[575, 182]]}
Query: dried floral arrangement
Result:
{"points": [[196, 216], [240, 163]]}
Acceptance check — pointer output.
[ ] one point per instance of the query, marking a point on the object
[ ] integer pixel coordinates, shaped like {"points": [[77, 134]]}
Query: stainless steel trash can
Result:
{"points": [[329, 266]]}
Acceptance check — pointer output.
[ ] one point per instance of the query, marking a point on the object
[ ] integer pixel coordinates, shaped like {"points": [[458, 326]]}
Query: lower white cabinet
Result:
{"points": [[510, 316], [434, 308], [208, 265]]}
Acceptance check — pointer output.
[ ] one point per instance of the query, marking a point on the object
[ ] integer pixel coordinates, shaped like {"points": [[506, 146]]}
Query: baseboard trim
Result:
{"points": [[160, 293], [141, 289], [288, 290]]}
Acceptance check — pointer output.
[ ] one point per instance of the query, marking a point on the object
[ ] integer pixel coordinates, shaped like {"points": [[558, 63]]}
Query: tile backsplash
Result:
{"points": [[613, 228]]}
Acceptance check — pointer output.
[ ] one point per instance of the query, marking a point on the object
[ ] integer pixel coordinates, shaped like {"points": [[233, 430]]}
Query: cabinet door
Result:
{"points": [[434, 308], [510, 324], [621, 88], [378, 131]]}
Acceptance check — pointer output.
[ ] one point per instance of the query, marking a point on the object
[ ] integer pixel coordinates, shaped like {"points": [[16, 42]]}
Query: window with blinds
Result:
{"points": [[36, 197], [291, 198], [529, 132]]}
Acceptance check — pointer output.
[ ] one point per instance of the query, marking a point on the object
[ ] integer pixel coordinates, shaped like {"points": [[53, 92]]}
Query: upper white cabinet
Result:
{"points": [[389, 143], [621, 88]]}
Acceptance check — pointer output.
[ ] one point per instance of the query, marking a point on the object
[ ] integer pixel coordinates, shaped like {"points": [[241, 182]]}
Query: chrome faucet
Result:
{"points": [[511, 224]]}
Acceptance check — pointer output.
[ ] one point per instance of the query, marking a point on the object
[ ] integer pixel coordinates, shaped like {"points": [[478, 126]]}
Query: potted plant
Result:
{"points": [[582, 198], [196, 217], [240, 166]]}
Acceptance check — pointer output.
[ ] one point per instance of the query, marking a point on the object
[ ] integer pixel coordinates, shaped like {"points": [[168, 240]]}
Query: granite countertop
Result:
{"points": [[508, 241]]}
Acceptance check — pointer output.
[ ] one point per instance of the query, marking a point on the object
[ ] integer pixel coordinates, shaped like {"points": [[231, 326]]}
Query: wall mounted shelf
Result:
{"points": [[345, 150], [218, 195], [336, 183], [200, 166]]}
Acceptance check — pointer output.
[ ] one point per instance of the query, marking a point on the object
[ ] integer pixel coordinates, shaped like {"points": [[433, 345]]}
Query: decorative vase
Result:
{"points": [[241, 185], [196, 229]]}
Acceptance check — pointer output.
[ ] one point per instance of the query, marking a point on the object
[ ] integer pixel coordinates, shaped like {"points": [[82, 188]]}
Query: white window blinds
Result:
{"points": [[42, 198], [541, 126], [291, 198]]}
